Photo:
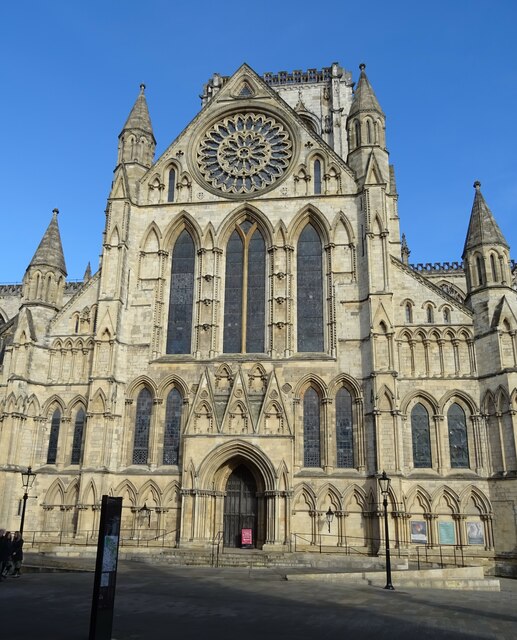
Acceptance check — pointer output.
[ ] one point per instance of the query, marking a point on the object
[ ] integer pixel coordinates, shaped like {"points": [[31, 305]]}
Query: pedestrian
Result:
{"points": [[4, 552], [7, 563], [17, 554]]}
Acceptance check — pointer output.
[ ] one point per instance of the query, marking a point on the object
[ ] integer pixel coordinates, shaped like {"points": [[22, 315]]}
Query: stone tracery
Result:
{"points": [[244, 153]]}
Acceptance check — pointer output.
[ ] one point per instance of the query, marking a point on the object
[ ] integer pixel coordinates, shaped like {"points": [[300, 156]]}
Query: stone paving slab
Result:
{"points": [[161, 603]]}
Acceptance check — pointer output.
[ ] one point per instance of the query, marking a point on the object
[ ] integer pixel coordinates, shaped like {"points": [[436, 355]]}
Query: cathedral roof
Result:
{"points": [[50, 250], [139, 116], [364, 96], [483, 229]]}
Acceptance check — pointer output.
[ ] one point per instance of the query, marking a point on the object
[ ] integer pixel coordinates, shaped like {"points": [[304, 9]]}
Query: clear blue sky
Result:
{"points": [[445, 73]]}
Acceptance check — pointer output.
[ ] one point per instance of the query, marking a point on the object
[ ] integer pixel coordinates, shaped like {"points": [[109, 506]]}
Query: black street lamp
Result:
{"points": [[329, 516], [145, 512], [385, 482], [28, 478]]}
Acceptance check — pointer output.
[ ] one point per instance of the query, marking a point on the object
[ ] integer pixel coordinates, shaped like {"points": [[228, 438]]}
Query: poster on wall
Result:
{"points": [[418, 531], [475, 533], [446, 533]]}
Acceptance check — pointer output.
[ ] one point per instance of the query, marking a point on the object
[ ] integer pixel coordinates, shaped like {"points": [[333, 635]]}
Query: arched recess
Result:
{"points": [[53, 505], [303, 512], [149, 265], [344, 251], [210, 511]]}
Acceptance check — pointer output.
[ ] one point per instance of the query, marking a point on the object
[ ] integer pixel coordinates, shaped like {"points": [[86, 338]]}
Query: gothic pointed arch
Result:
{"points": [[181, 296], [418, 497], [245, 285], [238, 215], [183, 220], [151, 238], [474, 494], [142, 427], [141, 381], [309, 214], [448, 497], [55, 495], [304, 493], [90, 494], [328, 493], [237, 451], [356, 493], [149, 493], [127, 490]]}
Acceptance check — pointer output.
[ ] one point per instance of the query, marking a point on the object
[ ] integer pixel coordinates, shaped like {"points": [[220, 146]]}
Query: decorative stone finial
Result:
{"points": [[362, 66], [142, 88], [477, 185], [55, 211]]}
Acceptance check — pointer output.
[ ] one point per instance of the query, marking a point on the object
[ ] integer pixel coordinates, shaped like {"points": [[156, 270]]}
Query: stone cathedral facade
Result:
{"points": [[255, 346]]}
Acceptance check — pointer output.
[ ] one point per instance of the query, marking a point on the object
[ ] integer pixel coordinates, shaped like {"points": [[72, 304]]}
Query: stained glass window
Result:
{"points": [[311, 429], [245, 291], [172, 185], [344, 429], [179, 330], [310, 291], [144, 408], [458, 439], [171, 438], [317, 177], [421, 437], [77, 442], [54, 437]]}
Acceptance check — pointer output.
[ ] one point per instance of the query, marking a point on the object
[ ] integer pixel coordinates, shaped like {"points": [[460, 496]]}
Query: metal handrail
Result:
{"points": [[216, 548]]}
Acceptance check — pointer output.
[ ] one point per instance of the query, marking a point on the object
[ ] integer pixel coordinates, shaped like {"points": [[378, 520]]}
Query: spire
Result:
{"points": [[364, 96], [50, 250], [404, 250], [483, 229], [136, 140], [139, 116], [88, 273]]}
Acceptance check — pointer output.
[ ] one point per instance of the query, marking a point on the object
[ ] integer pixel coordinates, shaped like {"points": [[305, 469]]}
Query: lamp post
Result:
{"points": [[385, 482], [28, 478], [329, 516]]}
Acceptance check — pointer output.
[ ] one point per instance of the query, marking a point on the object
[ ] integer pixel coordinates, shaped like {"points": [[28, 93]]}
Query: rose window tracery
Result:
{"points": [[244, 153]]}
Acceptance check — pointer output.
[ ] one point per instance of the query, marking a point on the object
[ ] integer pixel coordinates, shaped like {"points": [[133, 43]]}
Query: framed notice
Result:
{"points": [[475, 533], [418, 531], [446, 533], [246, 538]]}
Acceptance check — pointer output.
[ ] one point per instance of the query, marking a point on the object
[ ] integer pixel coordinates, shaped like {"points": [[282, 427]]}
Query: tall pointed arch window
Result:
{"points": [[421, 437], [311, 429], [144, 409], [245, 290], [480, 267], [493, 267], [179, 330], [458, 438], [77, 442], [310, 292], [344, 429], [317, 177], [54, 437], [172, 185], [171, 437]]}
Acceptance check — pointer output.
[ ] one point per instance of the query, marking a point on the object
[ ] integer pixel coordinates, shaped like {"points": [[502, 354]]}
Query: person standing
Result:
{"points": [[17, 554], [4, 552]]}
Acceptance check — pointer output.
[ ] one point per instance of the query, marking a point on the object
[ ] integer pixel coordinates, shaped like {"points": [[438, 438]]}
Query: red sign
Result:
{"points": [[246, 537]]}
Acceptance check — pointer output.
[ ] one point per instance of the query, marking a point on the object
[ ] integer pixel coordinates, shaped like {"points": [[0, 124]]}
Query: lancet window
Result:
{"points": [[77, 442], [344, 429], [421, 437], [172, 185], [144, 408], [458, 438], [311, 429], [179, 330], [245, 290], [54, 437], [310, 292], [171, 437], [317, 177]]}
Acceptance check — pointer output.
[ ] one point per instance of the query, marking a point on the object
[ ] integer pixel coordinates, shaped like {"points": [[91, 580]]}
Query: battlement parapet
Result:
{"points": [[10, 289], [310, 76], [437, 267]]}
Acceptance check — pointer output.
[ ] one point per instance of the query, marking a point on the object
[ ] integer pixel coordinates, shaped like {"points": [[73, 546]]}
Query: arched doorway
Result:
{"points": [[240, 506]]}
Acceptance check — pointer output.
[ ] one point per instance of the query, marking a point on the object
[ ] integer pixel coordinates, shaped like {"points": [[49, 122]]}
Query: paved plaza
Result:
{"points": [[163, 603]]}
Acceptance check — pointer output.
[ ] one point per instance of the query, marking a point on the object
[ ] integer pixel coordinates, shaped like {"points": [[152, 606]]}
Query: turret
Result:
{"points": [[136, 140], [485, 256], [44, 279], [366, 129]]}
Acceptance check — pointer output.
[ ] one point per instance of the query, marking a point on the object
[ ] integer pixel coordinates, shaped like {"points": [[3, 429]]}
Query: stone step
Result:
{"points": [[463, 578]]}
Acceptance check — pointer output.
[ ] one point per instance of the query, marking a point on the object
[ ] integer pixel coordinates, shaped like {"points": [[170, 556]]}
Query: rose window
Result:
{"points": [[244, 153]]}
